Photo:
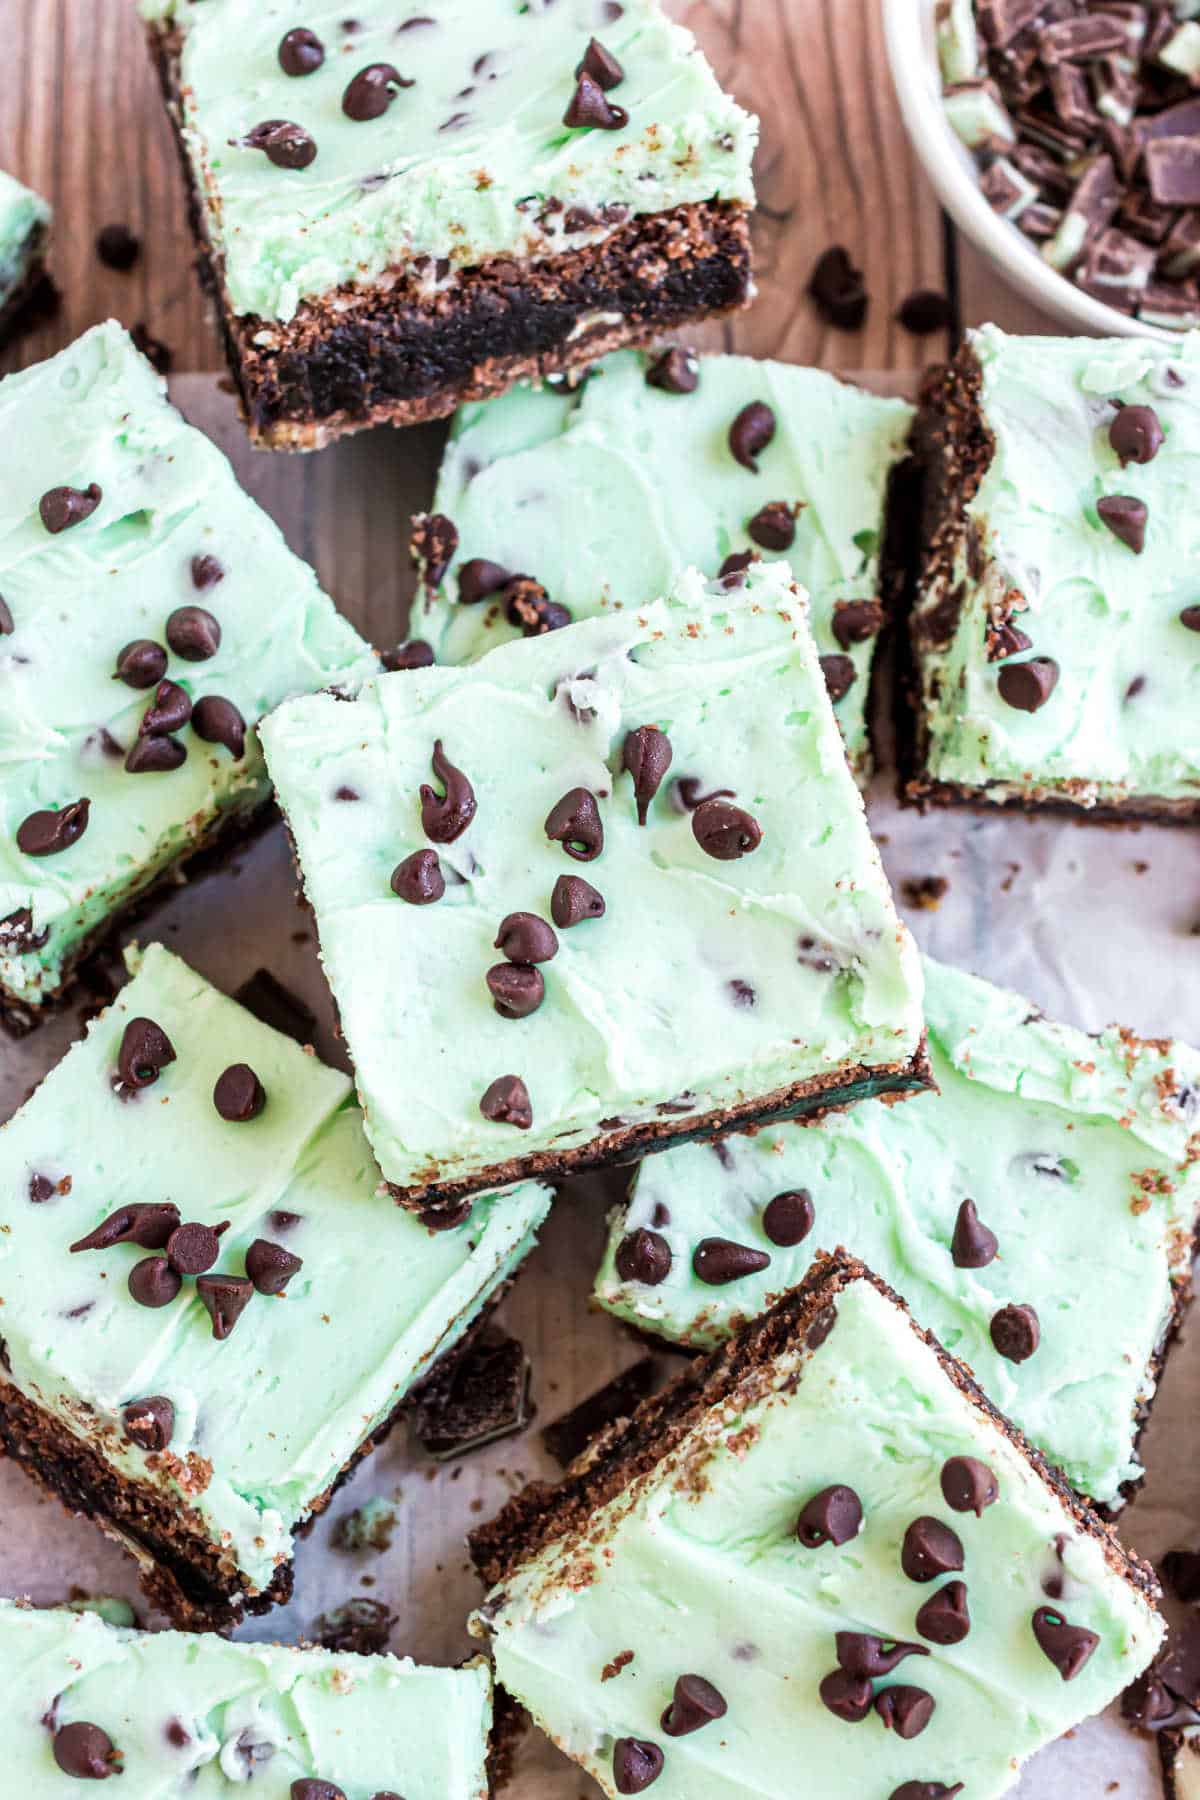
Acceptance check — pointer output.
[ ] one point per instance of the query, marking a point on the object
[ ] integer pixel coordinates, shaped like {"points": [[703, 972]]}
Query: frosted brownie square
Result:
{"points": [[975, 1204], [749, 1577], [209, 1310], [24, 238], [150, 614], [174, 1716], [401, 211], [598, 892], [555, 504], [1056, 631]]}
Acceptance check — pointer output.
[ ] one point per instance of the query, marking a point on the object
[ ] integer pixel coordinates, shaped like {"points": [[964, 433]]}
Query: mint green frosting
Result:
{"points": [[606, 493], [707, 984], [195, 1718], [24, 223], [696, 1568], [1123, 719], [266, 1418], [463, 162], [96, 412], [1065, 1143]]}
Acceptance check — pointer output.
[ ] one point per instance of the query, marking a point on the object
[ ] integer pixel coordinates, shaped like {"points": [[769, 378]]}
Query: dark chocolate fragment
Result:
{"points": [[238, 1094], [833, 1516], [725, 832], [643, 1256], [482, 1395], [944, 1618], [47, 833], [62, 507], [445, 817], [573, 901], [773, 526], [719, 1261], [848, 1697], [750, 434], [601, 65], [433, 543], [840, 675], [193, 633], [569, 1436], [647, 757], [973, 1246], [270, 1267], [636, 1764], [372, 91], [676, 371], [575, 823], [225, 1298], [419, 879], [517, 989], [141, 664], [506, 1102], [524, 938], [300, 51], [1126, 516], [86, 1752], [930, 1549], [218, 721], [1067, 1646], [1028, 685], [150, 1422], [1016, 1332], [838, 290], [788, 1218], [117, 247], [904, 1710]]}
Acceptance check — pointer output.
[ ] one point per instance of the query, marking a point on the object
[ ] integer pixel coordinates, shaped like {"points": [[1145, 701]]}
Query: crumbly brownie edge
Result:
{"points": [[921, 792], [29, 288]]}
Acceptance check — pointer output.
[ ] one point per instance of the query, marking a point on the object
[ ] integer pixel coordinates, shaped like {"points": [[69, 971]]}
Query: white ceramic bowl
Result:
{"points": [[912, 52]]}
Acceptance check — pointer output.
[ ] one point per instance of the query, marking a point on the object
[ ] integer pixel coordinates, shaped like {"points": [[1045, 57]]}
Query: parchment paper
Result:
{"points": [[1094, 924]]}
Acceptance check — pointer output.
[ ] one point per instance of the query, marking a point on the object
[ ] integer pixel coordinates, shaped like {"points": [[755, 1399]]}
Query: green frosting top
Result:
{"points": [[471, 158], [24, 219], [172, 530], [195, 1718], [1121, 718], [708, 983], [1063, 1141], [606, 492], [265, 1418], [697, 1568]]}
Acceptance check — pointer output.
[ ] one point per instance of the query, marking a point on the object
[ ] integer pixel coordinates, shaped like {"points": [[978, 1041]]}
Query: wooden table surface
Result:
{"points": [[83, 122]]}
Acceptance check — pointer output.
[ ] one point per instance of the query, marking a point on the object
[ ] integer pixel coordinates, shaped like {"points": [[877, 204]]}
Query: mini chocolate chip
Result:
{"points": [[750, 434], [1126, 516], [1007, 640], [146, 1223], [788, 1218], [1067, 1646], [170, 710], [718, 1261], [573, 901], [676, 371], [591, 108], [300, 51], [506, 1102], [725, 832], [238, 1094], [283, 142], [643, 1256], [149, 1422], [925, 1790], [1016, 1332], [141, 664], [7, 622], [207, 571], [524, 938], [924, 312], [856, 621], [1028, 685], [312, 1788], [968, 1485], [419, 879], [930, 1549], [601, 65], [944, 1618], [192, 1248], [973, 1246], [517, 989], [46, 833], [225, 1298], [153, 1282], [117, 247], [1136, 435], [575, 823], [862, 1653], [838, 291], [144, 1053], [86, 1752], [821, 1327], [840, 675], [635, 1765], [270, 1267], [695, 1702], [848, 1697], [218, 721], [414, 654], [62, 507], [40, 1189], [478, 578], [831, 1517], [433, 543], [904, 1710], [528, 607], [1190, 617], [773, 526], [647, 756], [193, 633], [155, 754], [372, 91], [445, 817], [732, 571]]}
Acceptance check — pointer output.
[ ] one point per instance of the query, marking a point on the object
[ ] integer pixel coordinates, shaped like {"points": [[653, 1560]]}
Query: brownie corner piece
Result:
{"points": [[394, 221], [1054, 638]]}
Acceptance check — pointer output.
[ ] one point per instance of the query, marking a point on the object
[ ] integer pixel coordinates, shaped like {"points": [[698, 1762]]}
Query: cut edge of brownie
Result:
{"points": [[387, 352], [28, 293]]}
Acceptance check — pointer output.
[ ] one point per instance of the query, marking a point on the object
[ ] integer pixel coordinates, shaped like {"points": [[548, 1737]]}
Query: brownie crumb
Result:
{"points": [[368, 1527], [362, 1626], [569, 1436], [621, 1661], [926, 892], [474, 1398]]}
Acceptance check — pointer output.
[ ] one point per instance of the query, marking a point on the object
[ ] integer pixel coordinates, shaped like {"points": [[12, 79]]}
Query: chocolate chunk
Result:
{"points": [[725, 832], [1006, 640], [575, 823], [1148, 1705], [155, 754], [925, 1790], [676, 371], [153, 1282], [833, 1516], [414, 654], [474, 1396], [361, 1627], [573, 901], [1028, 685], [524, 938], [86, 1752], [1016, 1332], [569, 1436], [445, 817], [141, 664], [1067, 1646], [238, 1094], [218, 721], [433, 543], [150, 1422], [517, 989], [372, 91], [644, 1256], [591, 108], [40, 1189], [225, 1298], [46, 833], [636, 1764], [206, 572], [193, 633], [695, 1703], [821, 1327], [1126, 517], [1180, 1570], [275, 1005], [930, 1549], [506, 1102], [7, 623], [117, 247], [144, 1053], [719, 1261], [773, 526], [63, 507], [788, 1218], [310, 1787], [147, 1223], [270, 1267], [861, 1653], [1190, 617], [192, 1248], [973, 1246], [601, 65], [848, 1697], [300, 51], [283, 142], [419, 879], [750, 433], [17, 935], [925, 312], [478, 578], [170, 710], [1173, 171], [1136, 435], [944, 1618], [856, 621], [840, 675], [647, 757], [838, 290], [528, 607], [968, 1485]]}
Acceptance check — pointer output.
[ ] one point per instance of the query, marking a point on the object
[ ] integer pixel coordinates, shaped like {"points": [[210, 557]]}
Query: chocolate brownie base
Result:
{"points": [[36, 297]]}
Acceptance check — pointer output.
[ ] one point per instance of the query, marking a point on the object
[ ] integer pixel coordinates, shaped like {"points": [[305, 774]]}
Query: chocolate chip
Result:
{"points": [[973, 1246], [925, 312], [206, 573], [300, 51], [46, 833], [225, 1298], [732, 572], [904, 1710], [445, 817], [930, 1549], [644, 1256], [750, 434], [40, 1189], [856, 621], [191, 1249], [821, 1327], [925, 1790], [149, 1422], [144, 1053], [1016, 1332], [838, 290], [141, 664], [147, 1223], [218, 721], [862, 1653], [848, 1697], [311, 1788], [1190, 617], [1067, 1646], [840, 675], [1126, 517], [601, 65], [788, 1218], [238, 1094], [590, 108], [415, 654], [575, 823], [725, 832], [573, 901], [833, 1516], [270, 1267], [63, 507], [773, 526], [283, 142], [433, 543], [1136, 435], [517, 989], [647, 756], [524, 938], [968, 1485], [117, 247], [676, 371], [7, 623], [944, 1618], [155, 754], [528, 607], [696, 1702], [193, 633], [478, 578], [169, 711], [419, 879], [718, 1261], [1028, 685], [372, 91], [85, 1751], [506, 1102], [635, 1765], [153, 1282]]}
